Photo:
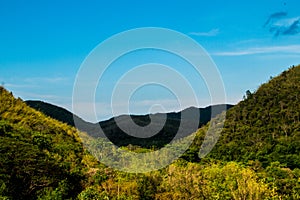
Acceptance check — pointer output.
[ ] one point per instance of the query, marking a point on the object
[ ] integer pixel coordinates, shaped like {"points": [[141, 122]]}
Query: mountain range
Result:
{"points": [[169, 123]]}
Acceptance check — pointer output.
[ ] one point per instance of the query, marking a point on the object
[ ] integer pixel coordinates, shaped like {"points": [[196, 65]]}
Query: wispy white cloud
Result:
{"points": [[31, 96], [286, 22], [12, 85], [211, 33], [46, 79], [32, 82], [288, 49]]}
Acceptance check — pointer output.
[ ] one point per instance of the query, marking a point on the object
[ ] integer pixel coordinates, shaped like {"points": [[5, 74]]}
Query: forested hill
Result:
{"points": [[39, 156], [265, 127]]}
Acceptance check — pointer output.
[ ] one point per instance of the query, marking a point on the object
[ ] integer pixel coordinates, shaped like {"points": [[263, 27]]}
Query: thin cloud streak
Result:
{"points": [[46, 79], [211, 33], [11, 85], [31, 96], [290, 49], [286, 21]]}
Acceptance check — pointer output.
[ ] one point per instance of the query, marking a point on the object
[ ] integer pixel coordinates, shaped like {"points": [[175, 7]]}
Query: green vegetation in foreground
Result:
{"points": [[256, 157], [39, 156]]}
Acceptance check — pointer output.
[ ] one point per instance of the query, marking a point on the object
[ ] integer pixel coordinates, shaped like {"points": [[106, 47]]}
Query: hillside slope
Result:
{"points": [[265, 127], [39, 156]]}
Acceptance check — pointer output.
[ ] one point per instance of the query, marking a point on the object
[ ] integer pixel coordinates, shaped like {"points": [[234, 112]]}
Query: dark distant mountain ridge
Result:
{"points": [[111, 130]]}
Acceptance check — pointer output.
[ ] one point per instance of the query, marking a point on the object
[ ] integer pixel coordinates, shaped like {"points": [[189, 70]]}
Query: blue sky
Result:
{"points": [[43, 43]]}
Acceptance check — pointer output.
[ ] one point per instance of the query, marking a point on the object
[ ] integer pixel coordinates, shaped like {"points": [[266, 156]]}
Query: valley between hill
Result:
{"points": [[256, 157]]}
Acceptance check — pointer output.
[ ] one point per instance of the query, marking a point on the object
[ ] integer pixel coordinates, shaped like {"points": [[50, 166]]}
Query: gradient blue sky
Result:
{"points": [[43, 43]]}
